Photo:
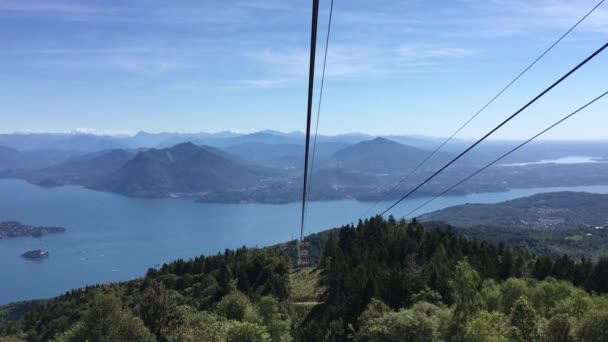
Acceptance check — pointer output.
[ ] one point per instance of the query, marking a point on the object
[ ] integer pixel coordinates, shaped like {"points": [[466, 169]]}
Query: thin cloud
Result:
{"points": [[514, 17], [129, 12], [144, 60], [474, 19], [359, 61], [265, 82], [274, 5], [368, 42], [38, 7]]}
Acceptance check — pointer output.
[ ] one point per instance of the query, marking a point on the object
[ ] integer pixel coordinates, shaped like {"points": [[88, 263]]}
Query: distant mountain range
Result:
{"points": [[267, 166], [91, 143], [558, 210], [60, 141]]}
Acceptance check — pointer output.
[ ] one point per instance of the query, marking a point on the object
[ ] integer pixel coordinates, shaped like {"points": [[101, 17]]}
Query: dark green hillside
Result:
{"points": [[382, 280], [236, 286], [576, 243], [387, 280], [559, 210], [181, 169]]}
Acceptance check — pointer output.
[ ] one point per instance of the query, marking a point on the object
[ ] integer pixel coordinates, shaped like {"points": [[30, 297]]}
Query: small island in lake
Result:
{"points": [[16, 229], [35, 255]]}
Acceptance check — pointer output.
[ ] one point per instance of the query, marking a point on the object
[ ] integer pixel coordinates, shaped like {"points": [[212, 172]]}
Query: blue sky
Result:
{"points": [[394, 66]]}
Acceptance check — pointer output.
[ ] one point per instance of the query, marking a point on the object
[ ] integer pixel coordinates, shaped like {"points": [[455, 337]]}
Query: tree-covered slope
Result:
{"points": [[387, 280], [18, 160], [181, 169], [378, 155], [381, 280], [558, 210], [88, 168]]}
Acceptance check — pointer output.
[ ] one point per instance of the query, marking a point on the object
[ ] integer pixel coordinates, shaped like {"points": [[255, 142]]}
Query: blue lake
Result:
{"points": [[112, 238]]}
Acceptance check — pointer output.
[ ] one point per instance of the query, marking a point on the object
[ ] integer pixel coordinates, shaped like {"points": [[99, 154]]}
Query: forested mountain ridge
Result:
{"points": [[557, 210], [84, 169], [92, 142], [13, 159], [181, 169], [379, 155], [89, 168], [381, 280]]}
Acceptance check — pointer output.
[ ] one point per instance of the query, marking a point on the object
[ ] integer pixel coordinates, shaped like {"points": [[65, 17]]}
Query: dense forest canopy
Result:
{"points": [[380, 280]]}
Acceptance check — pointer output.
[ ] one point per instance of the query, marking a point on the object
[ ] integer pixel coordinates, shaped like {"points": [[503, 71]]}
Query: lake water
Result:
{"points": [[112, 238], [562, 161]]}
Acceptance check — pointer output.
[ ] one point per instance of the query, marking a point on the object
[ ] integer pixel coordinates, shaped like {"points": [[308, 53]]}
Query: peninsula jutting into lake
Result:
{"points": [[16, 229]]}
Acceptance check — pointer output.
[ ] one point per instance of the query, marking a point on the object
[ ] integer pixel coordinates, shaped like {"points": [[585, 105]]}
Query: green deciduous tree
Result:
{"points": [[157, 306], [405, 325], [374, 310], [511, 290], [235, 305], [195, 326], [276, 322], [526, 322], [559, 329], [423, 322], [593, 327], [107, 321], [488, 327], [465, 285], [490, 292], [246, 332]]}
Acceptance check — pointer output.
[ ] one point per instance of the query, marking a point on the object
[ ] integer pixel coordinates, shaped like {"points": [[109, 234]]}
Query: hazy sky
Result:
{"points": [[394, 66]]}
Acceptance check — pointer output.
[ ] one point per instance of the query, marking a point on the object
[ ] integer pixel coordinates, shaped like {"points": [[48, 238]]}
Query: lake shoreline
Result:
{"points": [[237, 198], [116, 238]]}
